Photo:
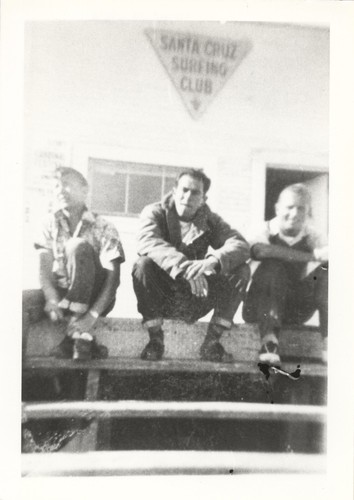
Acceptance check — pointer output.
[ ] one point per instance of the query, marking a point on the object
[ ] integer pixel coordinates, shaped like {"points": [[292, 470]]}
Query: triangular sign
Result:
{"points": [[198, 65]]}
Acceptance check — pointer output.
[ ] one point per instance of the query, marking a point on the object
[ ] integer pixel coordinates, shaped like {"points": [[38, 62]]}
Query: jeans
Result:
{"points": [[159, 296], [276, 298]]}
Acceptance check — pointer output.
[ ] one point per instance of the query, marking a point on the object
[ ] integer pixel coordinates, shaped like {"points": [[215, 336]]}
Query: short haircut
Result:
{"points": [[64, 171], [300, 190], [196, 173]]}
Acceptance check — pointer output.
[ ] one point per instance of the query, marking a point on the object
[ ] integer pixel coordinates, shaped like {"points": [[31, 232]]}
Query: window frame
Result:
{"points": [[160, 172], [82, 152]]}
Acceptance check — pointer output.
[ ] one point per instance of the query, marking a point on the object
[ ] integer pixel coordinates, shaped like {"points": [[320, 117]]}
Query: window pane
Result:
{"points": [[108, 191], [143, 189]]}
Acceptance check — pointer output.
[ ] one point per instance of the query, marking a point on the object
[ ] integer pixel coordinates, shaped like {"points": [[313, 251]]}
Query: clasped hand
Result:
{"points": [[195, 272], [83, 324]]}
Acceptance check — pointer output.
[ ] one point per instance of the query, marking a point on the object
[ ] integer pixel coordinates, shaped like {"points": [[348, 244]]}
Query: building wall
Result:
{"points": [[99, 87]]}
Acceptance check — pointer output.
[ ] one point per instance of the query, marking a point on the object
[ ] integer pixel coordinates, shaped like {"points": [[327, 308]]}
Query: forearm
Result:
{"points": [[108, 291], [46, 278], [262, 251]]}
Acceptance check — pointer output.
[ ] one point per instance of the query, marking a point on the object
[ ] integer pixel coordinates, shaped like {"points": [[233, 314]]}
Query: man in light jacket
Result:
{"points": [[191, 261], [291, 281]]}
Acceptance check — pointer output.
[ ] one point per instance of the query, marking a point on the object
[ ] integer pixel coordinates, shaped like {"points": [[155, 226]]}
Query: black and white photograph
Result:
{"points": [[176, 224]]}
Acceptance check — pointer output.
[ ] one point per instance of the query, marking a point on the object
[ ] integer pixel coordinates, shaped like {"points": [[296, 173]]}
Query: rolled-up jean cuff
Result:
{"points": [[216, 320], [78, 307], [150, 323]]}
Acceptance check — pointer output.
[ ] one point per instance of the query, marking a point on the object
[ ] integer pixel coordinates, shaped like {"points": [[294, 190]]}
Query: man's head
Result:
{"points": [[70, 188], [292, 209], [189, 192]]}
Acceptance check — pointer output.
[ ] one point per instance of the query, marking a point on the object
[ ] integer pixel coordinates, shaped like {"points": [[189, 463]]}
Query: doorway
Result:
{"points": [[278, 177]]}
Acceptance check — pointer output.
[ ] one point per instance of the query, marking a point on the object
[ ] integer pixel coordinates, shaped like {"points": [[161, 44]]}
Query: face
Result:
{"points": [[188, 196], [69, 192], [292, 211]]}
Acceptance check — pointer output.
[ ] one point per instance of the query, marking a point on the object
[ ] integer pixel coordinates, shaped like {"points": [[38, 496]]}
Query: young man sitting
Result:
{"points": [[191, 262], [291, 282], [80, 256]]}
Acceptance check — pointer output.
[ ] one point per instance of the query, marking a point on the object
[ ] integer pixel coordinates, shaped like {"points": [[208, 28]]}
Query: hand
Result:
{"points": [[199, 286], [197, 268], [81, 324], [53, 310]]}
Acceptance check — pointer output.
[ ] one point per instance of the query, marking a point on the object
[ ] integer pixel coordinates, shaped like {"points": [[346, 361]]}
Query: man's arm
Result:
{"points": [[46, 281], [152, 243], [106, 296], [109, 289], [263, 251], [229, 247]]}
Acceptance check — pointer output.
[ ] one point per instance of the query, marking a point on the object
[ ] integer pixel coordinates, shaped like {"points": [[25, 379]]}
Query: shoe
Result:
{"points": [[214, 351], [153, 351], [269, 354], [82, 349], [99, 351], [85, 349], [324, 350], [64, 350]]}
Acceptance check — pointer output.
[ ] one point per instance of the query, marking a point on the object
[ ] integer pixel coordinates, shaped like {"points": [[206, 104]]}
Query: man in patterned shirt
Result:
{"points": [[80, 255]]}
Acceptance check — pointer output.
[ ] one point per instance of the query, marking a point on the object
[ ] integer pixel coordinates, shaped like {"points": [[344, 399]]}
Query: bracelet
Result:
{"points": [[94, 314]]}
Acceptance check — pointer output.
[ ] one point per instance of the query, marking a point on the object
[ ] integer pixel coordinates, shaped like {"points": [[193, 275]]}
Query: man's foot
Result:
{"points": [[324, 350], [86, 349], [269, 353], [64, 350], [153, 351], [82, 349], [214, 351], [99, 351]]}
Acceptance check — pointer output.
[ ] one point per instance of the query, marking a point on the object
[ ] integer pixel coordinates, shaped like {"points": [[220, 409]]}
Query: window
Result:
{"points": [[125, 188]]}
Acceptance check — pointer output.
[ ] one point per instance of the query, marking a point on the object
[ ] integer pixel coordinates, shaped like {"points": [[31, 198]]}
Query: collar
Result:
{"points": [[200, 220], [291, 240], [87, 215]]}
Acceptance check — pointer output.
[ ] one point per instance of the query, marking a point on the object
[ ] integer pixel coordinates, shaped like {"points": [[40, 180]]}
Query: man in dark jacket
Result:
{"points": [[191, 262]]}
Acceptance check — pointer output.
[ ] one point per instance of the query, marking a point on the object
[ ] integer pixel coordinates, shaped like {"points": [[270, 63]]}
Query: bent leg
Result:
{"points": [[227, 293], [266, 298], [308, 296], [154, 290], [86, 275]]}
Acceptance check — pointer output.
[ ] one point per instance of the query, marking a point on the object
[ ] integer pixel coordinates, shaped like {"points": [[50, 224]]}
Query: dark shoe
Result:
{"points": [[82, 349], [99, 351], [214, 351], [64, 350], [153, 351], [269, 354]]}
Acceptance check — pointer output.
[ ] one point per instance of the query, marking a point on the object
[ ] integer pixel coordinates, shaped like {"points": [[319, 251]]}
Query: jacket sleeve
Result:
{"points": [[228, 245], [152, 241]]}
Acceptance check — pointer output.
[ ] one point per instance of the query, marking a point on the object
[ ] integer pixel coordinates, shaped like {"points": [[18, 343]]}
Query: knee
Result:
{"points": [[77, 246], [241, 276], [143, 267]]}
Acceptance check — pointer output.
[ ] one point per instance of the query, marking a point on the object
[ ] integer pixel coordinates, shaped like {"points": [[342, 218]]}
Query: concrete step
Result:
{"points": [[125, 339]]}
